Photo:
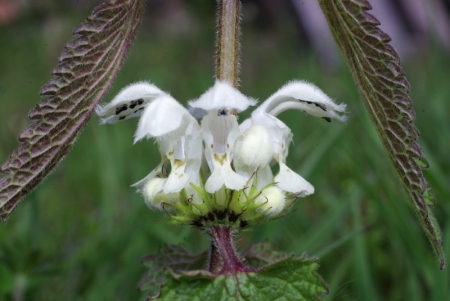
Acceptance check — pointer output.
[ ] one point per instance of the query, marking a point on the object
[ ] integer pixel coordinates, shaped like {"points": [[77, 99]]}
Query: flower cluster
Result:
{"points": [[219, 171]]}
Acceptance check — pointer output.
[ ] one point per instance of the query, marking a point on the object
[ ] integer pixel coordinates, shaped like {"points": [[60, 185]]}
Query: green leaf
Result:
{"points": [[290, 279], [384, 88], [87, 67], [169, 256], [262, 254], [283, 277]]}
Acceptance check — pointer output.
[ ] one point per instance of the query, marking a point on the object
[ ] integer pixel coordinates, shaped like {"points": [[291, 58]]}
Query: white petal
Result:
{"points": [[153, 187], [310, 108], [157, 172], [220, 132], [185, 155], [264, 177], [279, 132], [222, 174], [178, 178], [245, 125], [163, 118], [129, 103], [153, 195], [197, 112], [290, 181], [303, 96], [193, 141], [254, 148], [193, 147], [193, 194], [273, 199], [222, 96]]}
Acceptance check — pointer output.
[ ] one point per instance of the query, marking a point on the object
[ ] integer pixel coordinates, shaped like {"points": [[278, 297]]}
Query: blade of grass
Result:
{"points": [[361, 265]]}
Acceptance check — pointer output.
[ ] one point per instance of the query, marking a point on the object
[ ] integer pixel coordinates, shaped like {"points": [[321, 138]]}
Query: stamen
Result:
{"points": [[222, 112]]}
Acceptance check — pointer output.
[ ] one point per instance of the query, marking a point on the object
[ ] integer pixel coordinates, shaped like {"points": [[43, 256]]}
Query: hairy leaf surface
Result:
{"points": [[384, 88], [87, 67], [169, 256], [293, 279], [176, 274]]}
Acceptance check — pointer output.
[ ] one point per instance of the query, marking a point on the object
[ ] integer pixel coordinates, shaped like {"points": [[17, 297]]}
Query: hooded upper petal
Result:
{"points": [[129, 102], [222, 96], [303, 96], [163, 118]]}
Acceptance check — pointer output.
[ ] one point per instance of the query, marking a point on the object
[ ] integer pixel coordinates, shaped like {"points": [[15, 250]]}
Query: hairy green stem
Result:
{"points": [[215, 260], [227, 46]]}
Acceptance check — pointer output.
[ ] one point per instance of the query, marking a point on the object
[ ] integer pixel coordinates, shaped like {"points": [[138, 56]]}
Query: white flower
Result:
{"points": [[276, 136], [163, 118], [220, 130], [207, 160]]}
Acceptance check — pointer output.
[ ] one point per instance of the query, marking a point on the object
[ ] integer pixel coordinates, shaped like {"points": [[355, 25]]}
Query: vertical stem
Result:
{"points": [[215, 261], [222, 238], [227, 69], [227, 47]]}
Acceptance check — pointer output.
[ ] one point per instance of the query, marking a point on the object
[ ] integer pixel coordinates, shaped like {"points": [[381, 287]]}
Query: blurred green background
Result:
{"points": [[82, 233]]}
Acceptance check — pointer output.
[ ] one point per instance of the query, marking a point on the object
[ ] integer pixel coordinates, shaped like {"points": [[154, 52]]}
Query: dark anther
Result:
{"points": [[316, 104], [122, 117], [119, 110], [327, 119], [321, 106], [136, 102], [222, 112], [133, 103]]}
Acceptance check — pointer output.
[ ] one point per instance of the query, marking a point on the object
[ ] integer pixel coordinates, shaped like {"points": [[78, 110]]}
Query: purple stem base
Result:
{"points": [[223, 257]]}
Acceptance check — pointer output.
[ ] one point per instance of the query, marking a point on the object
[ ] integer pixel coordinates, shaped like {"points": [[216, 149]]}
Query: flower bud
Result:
{"points": [[273, 199], [153, 195]]}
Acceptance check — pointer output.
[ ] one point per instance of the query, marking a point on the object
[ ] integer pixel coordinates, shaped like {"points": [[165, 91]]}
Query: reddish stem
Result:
{"points": [[223, 251]]}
